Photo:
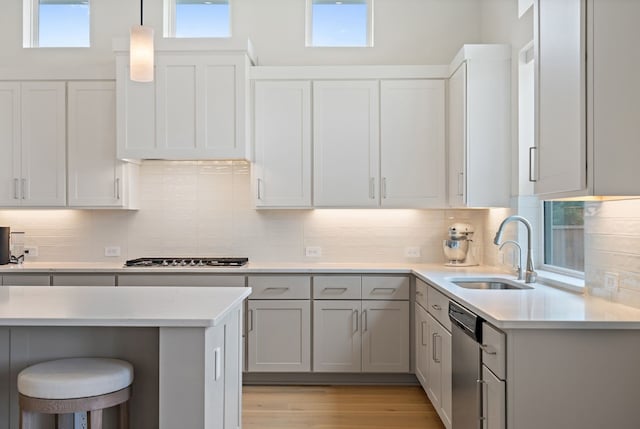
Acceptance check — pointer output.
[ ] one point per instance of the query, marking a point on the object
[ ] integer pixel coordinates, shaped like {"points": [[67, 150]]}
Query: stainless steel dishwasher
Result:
{"points": [[466, 366]]}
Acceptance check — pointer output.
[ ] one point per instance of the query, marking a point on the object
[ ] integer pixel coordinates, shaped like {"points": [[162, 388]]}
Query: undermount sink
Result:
{"points": [[488, 283]]}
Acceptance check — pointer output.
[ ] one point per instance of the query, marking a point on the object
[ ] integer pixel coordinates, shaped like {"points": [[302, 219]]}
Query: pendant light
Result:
{"points": [[141, 51]]}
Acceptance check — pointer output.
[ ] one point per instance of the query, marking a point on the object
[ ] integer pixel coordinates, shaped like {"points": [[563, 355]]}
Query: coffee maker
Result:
{"points": [[457, 248], [5, 256]]}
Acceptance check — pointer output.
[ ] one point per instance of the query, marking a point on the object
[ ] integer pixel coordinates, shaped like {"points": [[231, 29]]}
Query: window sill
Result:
{"points": [[561, 281]]}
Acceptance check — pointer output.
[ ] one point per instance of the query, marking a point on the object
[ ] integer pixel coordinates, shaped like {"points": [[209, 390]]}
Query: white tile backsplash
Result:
{"points": [[205, 208]]}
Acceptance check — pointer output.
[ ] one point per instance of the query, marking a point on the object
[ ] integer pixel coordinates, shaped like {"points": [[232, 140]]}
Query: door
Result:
{"points": [[346, 143], [457, 136], [10, 144], [560, 32], [493, 401], [385, 336], [412, 143], [95, 175], [43, 146], [282, 129], [421, 345], [279, 336], [336, 336], [439, 373]]}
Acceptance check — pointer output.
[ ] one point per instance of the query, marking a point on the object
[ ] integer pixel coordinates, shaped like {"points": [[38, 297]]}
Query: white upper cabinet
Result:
{"points": [[33, 134], [480, 127], [412, 143], [587, 90], [346, 143], [282, 133], [196, 108], [95, 177]]}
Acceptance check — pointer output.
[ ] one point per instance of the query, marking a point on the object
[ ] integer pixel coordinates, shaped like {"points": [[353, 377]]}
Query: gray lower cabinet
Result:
{"points": [[422, 344], [26, 280], [439, 369], [191, 279], [494, 411], [279, 336], [83, 280]]}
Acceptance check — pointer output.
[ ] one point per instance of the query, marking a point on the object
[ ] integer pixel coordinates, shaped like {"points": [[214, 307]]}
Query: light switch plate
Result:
{"points": [[112, 251], [313, 251], [611, 281], [412, 252]]}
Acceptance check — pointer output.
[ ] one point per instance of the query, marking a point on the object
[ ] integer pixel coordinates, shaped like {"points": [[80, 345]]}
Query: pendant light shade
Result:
{"points": [[141, 51]]}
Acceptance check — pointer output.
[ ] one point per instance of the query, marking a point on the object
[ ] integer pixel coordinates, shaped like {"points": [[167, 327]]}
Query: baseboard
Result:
{"points": [[255, 378]]}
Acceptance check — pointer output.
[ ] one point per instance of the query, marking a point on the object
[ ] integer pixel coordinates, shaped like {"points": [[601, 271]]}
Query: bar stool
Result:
{"points": [[75, 385]]}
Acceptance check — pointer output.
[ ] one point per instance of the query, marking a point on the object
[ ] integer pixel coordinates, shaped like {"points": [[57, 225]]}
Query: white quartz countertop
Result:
{"points": [[542, 307], [113, 306]]}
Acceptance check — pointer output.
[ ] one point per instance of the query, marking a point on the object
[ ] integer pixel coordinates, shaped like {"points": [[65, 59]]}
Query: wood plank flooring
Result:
{"points": [[337, 407]]}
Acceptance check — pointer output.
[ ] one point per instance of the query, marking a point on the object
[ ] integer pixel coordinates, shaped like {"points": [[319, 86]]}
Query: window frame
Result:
{"points": [[31, 26], [309, 27], [170, 21], [542, 248]]}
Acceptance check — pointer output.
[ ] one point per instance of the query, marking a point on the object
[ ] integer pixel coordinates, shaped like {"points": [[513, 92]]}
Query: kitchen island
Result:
{"points": [[185, 345]]}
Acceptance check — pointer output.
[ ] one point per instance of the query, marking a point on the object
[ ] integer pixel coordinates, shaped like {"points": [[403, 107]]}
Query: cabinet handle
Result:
{"points": [[258, 186], [423, 325], [15, 189], [355, 314], [277, 288], [250, 320], [436, 307], [461, 184], [365, 321], [24, 189], [117, 184], [334, 289], [384, 187], [385, 290], [483, 401], [217, 363], [490, 350], [533, 150], [419, 293], [372, 186], [434, 352]]}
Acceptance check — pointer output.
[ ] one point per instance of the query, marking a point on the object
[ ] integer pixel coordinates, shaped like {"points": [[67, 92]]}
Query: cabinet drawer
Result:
{"points": [[191, 280], [383, 287], [337, 287], [421, 293], [280, 287], [26, 280], [84, 280], [493, 350], [438, 307]]}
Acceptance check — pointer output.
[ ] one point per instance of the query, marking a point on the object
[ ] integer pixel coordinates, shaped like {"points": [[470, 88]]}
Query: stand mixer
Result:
{"points": [[456, 247]]}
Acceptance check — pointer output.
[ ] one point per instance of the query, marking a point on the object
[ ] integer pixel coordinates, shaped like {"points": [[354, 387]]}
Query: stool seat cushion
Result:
{"points": [[74, 378]]}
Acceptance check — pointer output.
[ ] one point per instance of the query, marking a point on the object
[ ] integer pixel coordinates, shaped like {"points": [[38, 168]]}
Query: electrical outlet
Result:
{"points": [[313, 251], [112, 251], [611, 281], [412, 252], [31, 251]]}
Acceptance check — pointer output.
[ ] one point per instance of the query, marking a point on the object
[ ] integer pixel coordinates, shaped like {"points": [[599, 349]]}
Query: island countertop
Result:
{"points": [[112, 306]]}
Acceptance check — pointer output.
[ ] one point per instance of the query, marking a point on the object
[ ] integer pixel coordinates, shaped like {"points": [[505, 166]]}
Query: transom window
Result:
{"points": [[564, 235], [56, 24], [197, 18], [345, 23]]}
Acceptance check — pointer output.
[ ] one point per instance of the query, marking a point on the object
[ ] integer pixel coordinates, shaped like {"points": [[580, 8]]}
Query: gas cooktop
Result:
{"points": [[186, 262]]}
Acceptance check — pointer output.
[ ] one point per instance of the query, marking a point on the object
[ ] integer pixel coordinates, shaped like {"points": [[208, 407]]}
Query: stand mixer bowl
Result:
{"points": [[455, 250]]}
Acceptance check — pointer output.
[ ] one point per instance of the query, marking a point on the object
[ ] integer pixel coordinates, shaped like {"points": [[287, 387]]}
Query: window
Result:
{"points": [[346, 23], [564, 235], [197, 18], [56, 24]]}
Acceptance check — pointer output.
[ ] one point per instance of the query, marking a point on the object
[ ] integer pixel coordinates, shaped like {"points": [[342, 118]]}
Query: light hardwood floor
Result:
{"points": [[337, 407]]}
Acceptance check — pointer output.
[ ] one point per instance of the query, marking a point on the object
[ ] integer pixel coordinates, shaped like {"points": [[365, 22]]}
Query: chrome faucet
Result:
{"points": [[530, 274]]}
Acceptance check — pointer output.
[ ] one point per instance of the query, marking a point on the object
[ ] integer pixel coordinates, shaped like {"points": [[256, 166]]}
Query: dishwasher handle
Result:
{"points": [[468, 322]]}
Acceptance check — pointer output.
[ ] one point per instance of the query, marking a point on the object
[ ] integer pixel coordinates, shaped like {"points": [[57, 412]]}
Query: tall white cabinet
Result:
{"points": [[480, 127], [96, 178], [282, 130], [33, 137], [587, 90]]}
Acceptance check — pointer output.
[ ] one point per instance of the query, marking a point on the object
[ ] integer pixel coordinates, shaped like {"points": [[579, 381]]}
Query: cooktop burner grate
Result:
{"points": [[186, 262]]}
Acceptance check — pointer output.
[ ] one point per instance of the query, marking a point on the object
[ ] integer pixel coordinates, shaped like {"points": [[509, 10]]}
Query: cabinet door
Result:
{"points": [[421, 345], [279, 336], [95, 175], [44, 143], [560, 31], [385, 336], [412, 143], [457, 136], [282, 129], [10, 143], [439, 369], [336, 336], [493, 401], [346, 143], [26, 280]]}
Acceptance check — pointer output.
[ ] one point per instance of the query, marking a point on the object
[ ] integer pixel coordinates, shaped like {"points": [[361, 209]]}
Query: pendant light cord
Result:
{"points": [[141, 12]]}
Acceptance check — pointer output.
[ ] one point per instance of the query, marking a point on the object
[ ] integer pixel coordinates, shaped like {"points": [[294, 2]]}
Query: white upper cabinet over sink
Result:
{"points": [[196, 108], [587, 91]]}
